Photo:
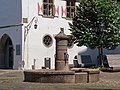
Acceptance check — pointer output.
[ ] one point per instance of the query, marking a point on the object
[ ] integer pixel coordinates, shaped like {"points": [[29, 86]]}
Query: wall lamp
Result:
{"points": [[27, 28]]}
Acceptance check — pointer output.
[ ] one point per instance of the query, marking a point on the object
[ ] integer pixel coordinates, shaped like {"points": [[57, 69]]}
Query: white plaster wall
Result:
{"points": [[34, 48], [25, 8]]}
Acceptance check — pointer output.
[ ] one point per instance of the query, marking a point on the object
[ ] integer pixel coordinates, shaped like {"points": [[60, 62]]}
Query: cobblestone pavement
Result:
{"points": [[14, 80]]}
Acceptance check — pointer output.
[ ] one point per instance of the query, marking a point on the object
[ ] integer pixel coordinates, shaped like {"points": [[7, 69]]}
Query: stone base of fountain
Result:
{"points": [[49, 76], [52, 76]]}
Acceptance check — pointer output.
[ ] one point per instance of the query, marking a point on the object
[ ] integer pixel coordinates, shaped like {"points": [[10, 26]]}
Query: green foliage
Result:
{"points": [[86, 27], [105, 69]]}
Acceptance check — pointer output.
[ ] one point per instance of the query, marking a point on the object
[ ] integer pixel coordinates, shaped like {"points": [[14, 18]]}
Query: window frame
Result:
{"points": [[71, 7], [49, 6]]}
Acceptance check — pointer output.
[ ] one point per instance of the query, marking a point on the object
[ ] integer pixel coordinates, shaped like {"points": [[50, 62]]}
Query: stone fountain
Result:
{"points": [[61, 74]]}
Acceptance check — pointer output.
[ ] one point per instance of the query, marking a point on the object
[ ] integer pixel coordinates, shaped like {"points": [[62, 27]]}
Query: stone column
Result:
{"points": [[61, 56]]}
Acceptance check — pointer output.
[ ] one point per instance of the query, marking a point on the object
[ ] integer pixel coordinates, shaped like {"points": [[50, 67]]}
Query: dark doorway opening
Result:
{"points": [[6, 52]]}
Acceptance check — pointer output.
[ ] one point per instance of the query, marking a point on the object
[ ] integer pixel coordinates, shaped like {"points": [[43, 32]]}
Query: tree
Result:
{"points": [[97, 25]]}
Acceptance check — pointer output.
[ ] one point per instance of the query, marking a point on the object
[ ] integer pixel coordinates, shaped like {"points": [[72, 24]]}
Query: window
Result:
{"points": [[70, 8], [47, 40], [48, 7]]}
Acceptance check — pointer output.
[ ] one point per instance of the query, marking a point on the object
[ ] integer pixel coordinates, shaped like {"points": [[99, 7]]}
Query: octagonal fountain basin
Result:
{"points": [[49, 76]]}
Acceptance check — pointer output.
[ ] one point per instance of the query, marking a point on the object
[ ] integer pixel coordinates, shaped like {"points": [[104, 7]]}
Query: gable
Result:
{"points": [[10, 12]]}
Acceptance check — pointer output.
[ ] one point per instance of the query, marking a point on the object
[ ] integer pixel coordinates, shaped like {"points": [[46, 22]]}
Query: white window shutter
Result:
{"points": [[56, 10], [64, 11], [40, 9]]}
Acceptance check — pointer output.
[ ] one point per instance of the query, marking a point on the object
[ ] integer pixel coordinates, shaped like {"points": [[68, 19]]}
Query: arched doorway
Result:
{"points": [[6, 52]]}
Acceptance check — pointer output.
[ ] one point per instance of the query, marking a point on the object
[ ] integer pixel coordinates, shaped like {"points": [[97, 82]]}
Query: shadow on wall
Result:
{"points": [[94, 53]]}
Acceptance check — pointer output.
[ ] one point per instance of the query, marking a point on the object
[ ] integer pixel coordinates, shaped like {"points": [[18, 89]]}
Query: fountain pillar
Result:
{"points": [[61, 56]]}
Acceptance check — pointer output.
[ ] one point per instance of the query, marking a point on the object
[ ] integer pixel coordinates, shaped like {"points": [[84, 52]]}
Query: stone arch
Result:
{"points": [[6, 52]]}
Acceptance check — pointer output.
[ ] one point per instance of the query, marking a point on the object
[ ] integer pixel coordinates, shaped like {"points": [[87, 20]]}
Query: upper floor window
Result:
{"points": [[48, 7], [70, 8]]}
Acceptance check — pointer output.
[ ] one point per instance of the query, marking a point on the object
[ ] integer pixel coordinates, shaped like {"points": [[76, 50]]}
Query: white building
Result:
{"points": [[21, 45]]}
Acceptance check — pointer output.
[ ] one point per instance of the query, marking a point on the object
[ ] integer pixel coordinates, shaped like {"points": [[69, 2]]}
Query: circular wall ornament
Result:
{"points": [[47, 40]]}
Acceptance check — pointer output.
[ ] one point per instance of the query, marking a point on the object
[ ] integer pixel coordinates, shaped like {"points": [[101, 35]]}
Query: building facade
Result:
{"points": [[27, 31]]}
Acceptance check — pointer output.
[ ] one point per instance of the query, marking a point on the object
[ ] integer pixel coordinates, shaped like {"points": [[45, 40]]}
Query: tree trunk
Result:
{"points": [[100, 56]]}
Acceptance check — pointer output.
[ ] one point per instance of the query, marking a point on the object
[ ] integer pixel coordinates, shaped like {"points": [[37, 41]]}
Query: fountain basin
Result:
{"points": [[49, 76], [61, 76]]}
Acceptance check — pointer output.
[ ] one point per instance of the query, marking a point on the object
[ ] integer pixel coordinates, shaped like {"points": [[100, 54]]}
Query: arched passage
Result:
{"points": [[6, 52]]}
